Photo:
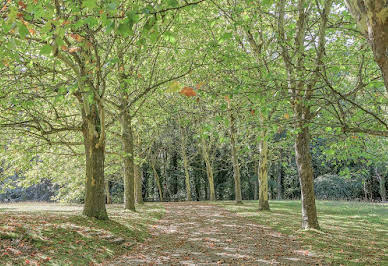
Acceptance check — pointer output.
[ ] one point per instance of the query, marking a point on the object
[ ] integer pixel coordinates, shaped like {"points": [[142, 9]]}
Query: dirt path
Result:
{"points": [[202, 233]]}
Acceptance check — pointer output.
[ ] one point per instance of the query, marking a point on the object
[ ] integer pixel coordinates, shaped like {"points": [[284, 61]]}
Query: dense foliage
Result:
{"points": [[128, 101]]}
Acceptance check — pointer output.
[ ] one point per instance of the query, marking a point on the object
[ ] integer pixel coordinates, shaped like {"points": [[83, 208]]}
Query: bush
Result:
{"points": [[334, 187]]}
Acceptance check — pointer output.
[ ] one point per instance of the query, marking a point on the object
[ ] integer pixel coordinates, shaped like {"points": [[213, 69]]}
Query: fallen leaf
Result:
{"points": [[188, 91]]}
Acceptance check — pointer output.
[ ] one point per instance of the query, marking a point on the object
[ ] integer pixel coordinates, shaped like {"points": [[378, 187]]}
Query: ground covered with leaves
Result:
{"points": [[204, 233], [194, 233], [354, 233], [52, 234]]}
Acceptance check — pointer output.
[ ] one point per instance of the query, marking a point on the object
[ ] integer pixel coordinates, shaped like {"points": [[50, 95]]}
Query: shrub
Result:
{"points": [[334, 187]]}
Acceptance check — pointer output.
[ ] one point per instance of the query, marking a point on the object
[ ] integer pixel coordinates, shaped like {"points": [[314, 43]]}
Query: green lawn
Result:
{"points": [[57, 234], [352, 232]]}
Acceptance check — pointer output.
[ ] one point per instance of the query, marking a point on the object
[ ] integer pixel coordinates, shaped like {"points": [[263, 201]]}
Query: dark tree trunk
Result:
{"points": [[95, 156], [306, 178], [280, 181], [185, 165], [138, 185], [236, 166], [174, 166], [256, 182], [107, 192], [157, 178], [263, 174], [383, 190], [209, 169], [128, 162], [382, 180]]}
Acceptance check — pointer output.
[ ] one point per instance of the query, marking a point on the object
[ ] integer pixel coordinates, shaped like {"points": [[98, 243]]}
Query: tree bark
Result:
{"points": [[256, 180], [138, 185], [157, 179], [128, 161], [185, 165], [138, 174], [372, 18], [263, 173], [382, 181], [306, 178], [95, 156], [383, 191], [209, 169], [107, 192], [173, 167], [236, 167], [280, 181], [166, 192]]}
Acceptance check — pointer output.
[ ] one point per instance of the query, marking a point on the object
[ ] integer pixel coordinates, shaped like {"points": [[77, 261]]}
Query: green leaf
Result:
{"points": [[91, 98], [174, 86], [23, 31], [169, 36], [124, 29], [267, 2], [89, 4], [173, 3], [46, 49]]}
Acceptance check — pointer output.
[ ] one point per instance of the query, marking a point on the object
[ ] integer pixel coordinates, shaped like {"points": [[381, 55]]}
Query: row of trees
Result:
{"points": [[88, 84]]}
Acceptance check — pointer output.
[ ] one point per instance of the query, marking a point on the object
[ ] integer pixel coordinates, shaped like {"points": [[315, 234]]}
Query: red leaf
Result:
{"points": [[188, 91], [5, 6], [66, 22], [74, 49], [22, 4], [32, 31], [76, 37]]}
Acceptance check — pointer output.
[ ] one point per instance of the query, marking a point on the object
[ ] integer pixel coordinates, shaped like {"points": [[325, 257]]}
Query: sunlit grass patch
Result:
{"points": [[352, 232], [59, 234]]}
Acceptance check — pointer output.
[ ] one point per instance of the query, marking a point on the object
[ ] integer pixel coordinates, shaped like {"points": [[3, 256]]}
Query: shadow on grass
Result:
{"points": [[67, 238], [352, 232]]}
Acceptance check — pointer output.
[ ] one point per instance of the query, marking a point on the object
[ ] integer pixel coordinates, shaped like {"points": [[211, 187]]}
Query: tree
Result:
{"points": [[372, 18], [301, 92]]}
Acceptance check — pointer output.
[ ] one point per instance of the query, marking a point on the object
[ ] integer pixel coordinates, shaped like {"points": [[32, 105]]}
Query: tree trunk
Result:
{"points": [[372, 18], [128, 162], [263, 173], [157, 179], [209, 169], [173, 167], [138, 185], [138, 175], [236, 167], [280, 181], [306, 178], [256, 190], [256, 181], [166, 192], [95, 156], [383, 191], [365, 191], [185, 165], [107, 192]]}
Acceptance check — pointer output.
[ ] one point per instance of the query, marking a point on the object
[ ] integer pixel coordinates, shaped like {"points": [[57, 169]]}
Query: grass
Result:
{"points": [[352, 233], [57, 234]]}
